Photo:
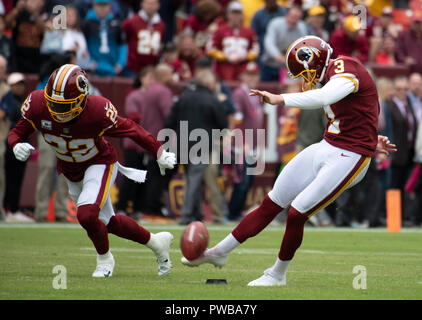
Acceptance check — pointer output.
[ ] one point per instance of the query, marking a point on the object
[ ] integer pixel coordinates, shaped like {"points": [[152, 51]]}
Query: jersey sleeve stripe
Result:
{"points": [[349, 76], [105, 129], [31, 122]]}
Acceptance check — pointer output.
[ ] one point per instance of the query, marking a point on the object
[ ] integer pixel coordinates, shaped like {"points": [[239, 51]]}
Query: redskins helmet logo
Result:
{"points": [[82, 84], [306, 54]]}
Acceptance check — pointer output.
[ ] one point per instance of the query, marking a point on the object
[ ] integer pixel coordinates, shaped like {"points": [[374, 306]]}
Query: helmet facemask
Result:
{"points": [[64, 110], [66, 92]]}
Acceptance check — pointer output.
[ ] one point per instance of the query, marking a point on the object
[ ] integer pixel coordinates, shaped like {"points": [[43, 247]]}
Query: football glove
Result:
{"points": [[167, 160], [22, 151]]}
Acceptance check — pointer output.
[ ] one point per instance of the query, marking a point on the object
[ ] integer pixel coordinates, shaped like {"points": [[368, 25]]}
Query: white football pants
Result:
{"points": [[317, 176], [95, 188]]}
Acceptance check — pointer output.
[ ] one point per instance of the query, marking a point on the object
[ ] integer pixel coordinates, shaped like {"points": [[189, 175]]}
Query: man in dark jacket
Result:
{"points": [[10, 106], [404, 127], [193, 117]]}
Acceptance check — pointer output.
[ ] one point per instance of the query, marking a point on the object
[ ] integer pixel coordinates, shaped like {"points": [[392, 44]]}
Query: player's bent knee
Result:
{"points": [[294, 217], [268, 206], [87, 215]]}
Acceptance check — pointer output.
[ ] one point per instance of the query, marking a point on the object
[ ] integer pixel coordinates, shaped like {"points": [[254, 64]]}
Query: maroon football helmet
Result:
{"points": [[66, 92], [308, 57]]}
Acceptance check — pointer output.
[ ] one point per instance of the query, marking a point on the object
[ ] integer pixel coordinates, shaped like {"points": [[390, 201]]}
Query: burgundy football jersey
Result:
{"points": [[144, 41], [80, 142], [228, 41], [353, 121]]}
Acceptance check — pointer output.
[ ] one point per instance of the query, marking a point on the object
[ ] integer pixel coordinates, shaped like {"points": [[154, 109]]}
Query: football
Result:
{"points": [[194, 240]]}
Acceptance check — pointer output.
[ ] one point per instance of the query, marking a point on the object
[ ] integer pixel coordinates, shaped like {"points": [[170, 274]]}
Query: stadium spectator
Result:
{"points": [[415, 94], [74, 39], [214, 173], [203, 22], [409, 44], [281, 32], [105, 40], [170, 57], [4, 129], [385, 90], [201, 109], [383, 39], [385, 53], [315, 20], [158, 101], [262, 18], [167, 13], [385, 26], [48, 181], [188, 50], [28, 24], [70, 38], [349, 41], [145, 36], [332, 14], [414, 184], [249, 115], [205, 63], [130, 199], [404, 127], [233, 45], [11, 104], [7, 47]]}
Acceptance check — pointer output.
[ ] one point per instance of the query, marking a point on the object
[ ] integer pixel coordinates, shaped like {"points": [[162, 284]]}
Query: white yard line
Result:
{"points": [[256, 251], [210, 227]]}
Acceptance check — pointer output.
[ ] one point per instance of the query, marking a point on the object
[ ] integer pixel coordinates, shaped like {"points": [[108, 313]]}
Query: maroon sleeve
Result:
{"points": [[20, 132], [129, 129]]}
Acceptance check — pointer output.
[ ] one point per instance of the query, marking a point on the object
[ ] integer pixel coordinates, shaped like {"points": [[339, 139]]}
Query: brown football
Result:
{"points": [[194, 240]]}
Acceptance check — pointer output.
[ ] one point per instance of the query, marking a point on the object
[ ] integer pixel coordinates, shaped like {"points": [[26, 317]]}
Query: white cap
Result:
{"points": [[14, 78], [235, 6]]}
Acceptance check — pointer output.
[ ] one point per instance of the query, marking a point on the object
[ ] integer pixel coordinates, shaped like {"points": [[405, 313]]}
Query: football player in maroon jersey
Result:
{"points": [[74, 124], [145, 36], [322, 171], [233, 45]]}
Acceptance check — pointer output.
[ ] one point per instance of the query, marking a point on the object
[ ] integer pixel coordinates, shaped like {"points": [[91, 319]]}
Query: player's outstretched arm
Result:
{"points": [[385, 146], [332, 92], [267, 97]]}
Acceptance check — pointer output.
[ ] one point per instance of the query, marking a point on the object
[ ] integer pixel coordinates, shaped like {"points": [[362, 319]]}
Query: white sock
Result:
{"points": [[225, 246], [105, 256], [279, 269], [152, 243]]}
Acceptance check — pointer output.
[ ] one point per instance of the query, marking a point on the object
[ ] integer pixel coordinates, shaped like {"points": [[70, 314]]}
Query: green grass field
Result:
{"points": [[322, 268]]}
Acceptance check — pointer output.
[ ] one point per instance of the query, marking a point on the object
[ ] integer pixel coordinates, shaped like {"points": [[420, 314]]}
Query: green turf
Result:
{"points": [[322, 268]]}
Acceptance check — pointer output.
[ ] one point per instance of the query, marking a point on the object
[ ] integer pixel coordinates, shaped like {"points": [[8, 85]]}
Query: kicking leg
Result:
{"points": [[297, 174], [335, 177]]}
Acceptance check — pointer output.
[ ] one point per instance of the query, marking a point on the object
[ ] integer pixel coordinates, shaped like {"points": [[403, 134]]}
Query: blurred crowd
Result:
{"points": [[218, 49]]}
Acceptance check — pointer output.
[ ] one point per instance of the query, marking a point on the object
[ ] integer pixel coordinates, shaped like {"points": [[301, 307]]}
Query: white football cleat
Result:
{"points": [[105, 267], [207, 257], [267, 280], [161, 248]]}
